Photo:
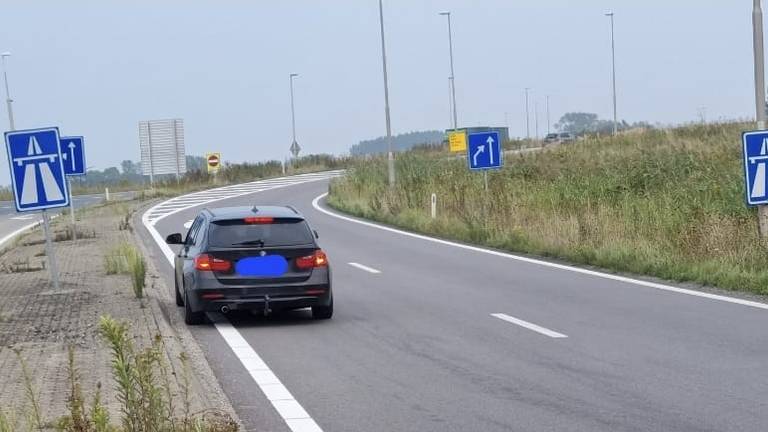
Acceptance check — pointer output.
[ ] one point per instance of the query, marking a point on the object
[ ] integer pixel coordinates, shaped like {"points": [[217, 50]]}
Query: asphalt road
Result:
{"points": [[429, 336], [12, 221]]}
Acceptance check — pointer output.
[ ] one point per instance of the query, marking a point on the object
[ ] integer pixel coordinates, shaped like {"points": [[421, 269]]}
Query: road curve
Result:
{"points": [[432, 337]]}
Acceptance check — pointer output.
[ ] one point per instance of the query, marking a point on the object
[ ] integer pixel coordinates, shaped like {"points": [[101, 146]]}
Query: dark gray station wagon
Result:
{"points": [[263, 258]]}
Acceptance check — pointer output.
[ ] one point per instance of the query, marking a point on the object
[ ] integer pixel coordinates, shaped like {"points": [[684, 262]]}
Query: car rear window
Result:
{"points": [[280, 232]]}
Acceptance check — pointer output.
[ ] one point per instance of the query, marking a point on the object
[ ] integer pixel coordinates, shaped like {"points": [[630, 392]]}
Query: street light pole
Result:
{"points": [[613, 76], [760, 114], [293, 112], [453, 76], [390, 155], [527, 116], [49, 252], [8, 100]]}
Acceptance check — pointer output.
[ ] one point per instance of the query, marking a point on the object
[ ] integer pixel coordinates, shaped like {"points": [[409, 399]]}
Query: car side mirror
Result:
{"points": [[316, 235], [174, 239]]}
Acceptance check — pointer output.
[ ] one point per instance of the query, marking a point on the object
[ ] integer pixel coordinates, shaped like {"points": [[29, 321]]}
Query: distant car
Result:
{"points": [[565, 137], [551, 138], [263, 258]]}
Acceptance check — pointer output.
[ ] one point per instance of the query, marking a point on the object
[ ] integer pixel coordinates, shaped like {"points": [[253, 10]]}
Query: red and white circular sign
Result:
{"points": [[213, 161]]}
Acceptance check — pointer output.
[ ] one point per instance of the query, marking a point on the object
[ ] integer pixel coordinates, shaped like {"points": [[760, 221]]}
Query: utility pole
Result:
{"points": [[8, 100], [295, 148], [527, 116], [760, 115], [49, 252], [613, 76], [390, 155], [453, 77]]}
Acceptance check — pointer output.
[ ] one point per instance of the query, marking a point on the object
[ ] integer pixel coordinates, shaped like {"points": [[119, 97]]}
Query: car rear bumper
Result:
{"points": [[259, 299]]}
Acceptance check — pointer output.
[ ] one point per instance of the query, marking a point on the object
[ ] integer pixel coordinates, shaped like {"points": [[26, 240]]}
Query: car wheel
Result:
{"points": [[179, 298], [190, 317], [322, 312]]}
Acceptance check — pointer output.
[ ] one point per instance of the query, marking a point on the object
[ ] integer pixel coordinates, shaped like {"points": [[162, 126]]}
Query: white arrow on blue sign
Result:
{"points": [[73, 153], [37, 170], [755, 161], [484, 151]]}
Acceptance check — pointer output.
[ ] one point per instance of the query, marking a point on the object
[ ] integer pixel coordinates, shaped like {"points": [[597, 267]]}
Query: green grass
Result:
{"points": [[666, 203], [127, 259]]}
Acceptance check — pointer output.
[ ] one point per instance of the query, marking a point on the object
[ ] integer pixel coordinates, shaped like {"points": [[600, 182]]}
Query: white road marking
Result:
{"points": [[529, 326], [188, 224], [658, 286], [17, 232], [364, 268], [25, 217], [291, 411]]}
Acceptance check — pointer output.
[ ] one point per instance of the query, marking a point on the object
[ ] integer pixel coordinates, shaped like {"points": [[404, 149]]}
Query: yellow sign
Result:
{"points": [[213, 161], [457, 141]]}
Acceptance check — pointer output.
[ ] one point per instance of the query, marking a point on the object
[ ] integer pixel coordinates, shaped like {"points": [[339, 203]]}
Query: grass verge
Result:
{"points": [[145, 394], [665, 203]]}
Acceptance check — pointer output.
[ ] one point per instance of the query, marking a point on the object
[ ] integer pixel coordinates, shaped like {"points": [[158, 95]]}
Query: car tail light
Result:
{"points": [[317, 259], [259, 220], [212, 296], [206, 262]]}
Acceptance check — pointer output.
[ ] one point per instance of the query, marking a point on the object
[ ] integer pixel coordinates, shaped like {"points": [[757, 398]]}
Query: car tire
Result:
{"points": [[322, 312], [190, 317], [179, 298]]}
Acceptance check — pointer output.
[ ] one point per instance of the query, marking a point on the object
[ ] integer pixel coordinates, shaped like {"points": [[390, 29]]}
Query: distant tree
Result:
{"points": [[196, 163], [400, 142], [129, 167], [577, 122]]}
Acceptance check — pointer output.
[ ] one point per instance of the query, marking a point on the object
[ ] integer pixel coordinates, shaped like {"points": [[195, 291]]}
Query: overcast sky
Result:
{"points": [[97, 68]]}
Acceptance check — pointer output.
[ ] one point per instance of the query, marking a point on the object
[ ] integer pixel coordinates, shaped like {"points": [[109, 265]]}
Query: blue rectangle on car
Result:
{"points": [[270, 265]]}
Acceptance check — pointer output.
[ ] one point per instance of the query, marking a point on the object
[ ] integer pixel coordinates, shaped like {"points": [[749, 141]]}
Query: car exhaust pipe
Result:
{"points": [[224, 309]]}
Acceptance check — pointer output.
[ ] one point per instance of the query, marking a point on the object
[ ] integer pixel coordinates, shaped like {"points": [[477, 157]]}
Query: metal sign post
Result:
{"points": [[73, 157], [38, 179], [72, 210], [50, 252]]}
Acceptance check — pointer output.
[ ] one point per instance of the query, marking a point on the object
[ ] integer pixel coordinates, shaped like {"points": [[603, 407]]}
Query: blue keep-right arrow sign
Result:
{"points": [[484, 151]]}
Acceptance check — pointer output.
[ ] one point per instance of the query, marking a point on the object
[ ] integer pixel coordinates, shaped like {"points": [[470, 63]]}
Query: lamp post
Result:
{"points": [[453, 76], [527, 116], [760, 114], [294, 145], [613, 75], [8, 100], [390, 155]]}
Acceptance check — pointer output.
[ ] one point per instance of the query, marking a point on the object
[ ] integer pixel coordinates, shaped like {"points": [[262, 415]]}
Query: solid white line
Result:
{"points": [[17, 232], [658, 286], [529, 326], [291, 411], [365, 268]]}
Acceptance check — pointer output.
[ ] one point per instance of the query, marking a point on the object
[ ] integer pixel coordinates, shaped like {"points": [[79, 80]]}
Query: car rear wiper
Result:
{"points": [[258, 242]]}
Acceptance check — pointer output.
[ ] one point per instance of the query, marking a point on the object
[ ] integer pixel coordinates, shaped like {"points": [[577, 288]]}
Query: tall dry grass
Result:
{"points": [[667, 203]]}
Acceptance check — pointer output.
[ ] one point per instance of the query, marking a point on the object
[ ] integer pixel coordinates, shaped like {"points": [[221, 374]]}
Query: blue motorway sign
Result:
{"points": [[755, 161], [73, 154], [484, 151], [37, 172]]}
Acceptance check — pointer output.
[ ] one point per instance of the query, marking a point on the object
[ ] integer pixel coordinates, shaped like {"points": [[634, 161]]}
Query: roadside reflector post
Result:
{"points": [[106, 194], [433, 200], [72, 210], [50, 252]]}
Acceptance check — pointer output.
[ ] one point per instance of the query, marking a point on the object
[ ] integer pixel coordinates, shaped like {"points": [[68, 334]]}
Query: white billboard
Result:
{"points": [[162, 147]]}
